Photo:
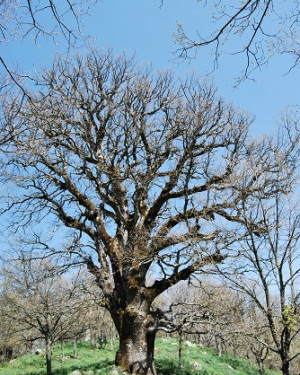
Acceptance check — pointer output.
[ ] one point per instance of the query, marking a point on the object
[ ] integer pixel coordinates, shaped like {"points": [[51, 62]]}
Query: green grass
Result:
{"points": [[89, 359], [166, 355], [100, 362]]}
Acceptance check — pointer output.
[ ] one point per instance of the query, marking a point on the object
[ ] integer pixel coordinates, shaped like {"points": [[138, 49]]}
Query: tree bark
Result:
{"points": [[261, 367], [285, 367], [285, 350], [62, 346], [180, 350], [48, 357], [137, 333], [75, 348]]}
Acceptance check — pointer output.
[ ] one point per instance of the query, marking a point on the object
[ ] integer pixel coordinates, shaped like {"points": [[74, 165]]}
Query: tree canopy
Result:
{"points": [[150, 173]]}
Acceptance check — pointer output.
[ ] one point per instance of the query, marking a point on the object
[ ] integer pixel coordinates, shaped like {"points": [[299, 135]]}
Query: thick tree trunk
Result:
{"points": [[137, 336]]}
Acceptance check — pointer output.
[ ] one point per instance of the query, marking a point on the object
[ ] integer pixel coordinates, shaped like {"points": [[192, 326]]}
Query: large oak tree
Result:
{"points": [[147, 171]]}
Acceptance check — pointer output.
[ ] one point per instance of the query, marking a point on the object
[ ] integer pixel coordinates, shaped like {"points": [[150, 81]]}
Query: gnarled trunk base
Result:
{"points": [[136, 350]]}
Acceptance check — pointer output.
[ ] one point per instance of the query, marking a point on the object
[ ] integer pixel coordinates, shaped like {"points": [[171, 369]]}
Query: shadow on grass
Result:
{"points": [[163, 366], [166, 366], [105, 367]]}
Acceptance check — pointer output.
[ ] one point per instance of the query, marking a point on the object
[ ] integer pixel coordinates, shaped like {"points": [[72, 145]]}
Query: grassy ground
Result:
{"points": [[101, 362]]}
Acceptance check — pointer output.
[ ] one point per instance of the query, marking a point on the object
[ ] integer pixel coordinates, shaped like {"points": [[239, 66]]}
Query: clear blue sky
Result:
{"points": [[144, 28]]}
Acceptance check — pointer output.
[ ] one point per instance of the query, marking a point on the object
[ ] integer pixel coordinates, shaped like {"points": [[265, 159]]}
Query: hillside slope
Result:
{"points": [[197, 361]]}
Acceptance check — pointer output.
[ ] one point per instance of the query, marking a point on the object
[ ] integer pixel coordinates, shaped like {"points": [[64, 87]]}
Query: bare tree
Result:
{"points": [[211, 314], [257, 29], [100, 326], [271, 273], [40, 304], [10, 343], [147, 172]]}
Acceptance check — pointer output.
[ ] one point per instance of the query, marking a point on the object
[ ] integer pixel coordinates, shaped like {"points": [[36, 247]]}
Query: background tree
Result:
{"points": [[11, 344], [148, 174], [258, 341], [257, 29], [40, 304], [271, 272], [211, 314], [100, 326]]}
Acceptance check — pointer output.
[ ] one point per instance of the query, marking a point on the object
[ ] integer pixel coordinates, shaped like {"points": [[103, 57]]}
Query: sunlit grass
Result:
{"points": [[92, 361], [89, 359]]}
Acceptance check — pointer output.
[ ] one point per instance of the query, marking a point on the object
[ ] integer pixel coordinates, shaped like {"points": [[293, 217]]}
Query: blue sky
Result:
{"points": [[144, 28]]}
